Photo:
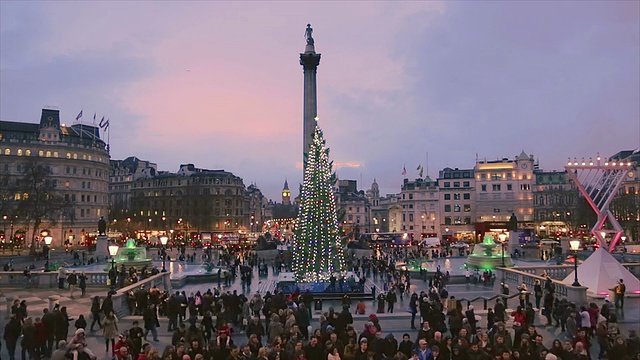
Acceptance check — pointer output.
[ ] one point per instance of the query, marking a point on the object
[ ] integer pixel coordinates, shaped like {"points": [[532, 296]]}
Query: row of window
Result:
{"points": [[85, 171], [509, 187], [197, 181], [447, 220], [456, 196], [498, 176], [194, 212], [48, 153], [456, 184], [456, 208], [498, 196], [456, 175]]}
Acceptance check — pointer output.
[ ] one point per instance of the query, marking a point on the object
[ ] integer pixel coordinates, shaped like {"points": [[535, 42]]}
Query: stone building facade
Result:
{"points": [[457, 204], [78, 160]]}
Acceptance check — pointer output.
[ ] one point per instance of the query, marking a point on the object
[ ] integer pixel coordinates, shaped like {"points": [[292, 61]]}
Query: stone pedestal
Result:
{"points": [[514, 241], [102, 247]]}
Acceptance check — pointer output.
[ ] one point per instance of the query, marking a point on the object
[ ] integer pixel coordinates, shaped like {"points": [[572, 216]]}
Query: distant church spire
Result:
{"points": [[286, 194]]}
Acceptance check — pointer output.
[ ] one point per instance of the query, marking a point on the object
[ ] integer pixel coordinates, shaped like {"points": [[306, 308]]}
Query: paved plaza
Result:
{"points": [[396, 323]]}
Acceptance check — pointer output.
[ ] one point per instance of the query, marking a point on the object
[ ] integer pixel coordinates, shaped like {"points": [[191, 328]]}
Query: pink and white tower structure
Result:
{"points": [[599, 183]]}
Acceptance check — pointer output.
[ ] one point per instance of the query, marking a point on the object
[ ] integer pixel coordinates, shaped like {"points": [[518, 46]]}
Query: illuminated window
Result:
{"points": [[48, 153], [40, 153], [7, 151], [19, 152], [68, 155], [28, 152], [75, 156], [89, 157], [84, 157], [55, 154]]}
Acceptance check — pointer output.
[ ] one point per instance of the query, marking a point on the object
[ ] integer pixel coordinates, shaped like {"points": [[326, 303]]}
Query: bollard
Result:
{"points": [[53, 299], [485, 303], [10, 300]]}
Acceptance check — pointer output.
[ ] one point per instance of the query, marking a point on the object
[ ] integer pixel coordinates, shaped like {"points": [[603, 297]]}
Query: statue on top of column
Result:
{"points": [[308, 34]]}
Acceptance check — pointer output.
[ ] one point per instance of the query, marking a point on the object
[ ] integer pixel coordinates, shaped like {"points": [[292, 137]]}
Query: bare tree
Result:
{"points": [[38, 200]]}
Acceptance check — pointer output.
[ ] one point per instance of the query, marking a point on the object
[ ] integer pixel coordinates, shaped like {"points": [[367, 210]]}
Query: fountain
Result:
{"points": [[132, 256], [488, 255]]}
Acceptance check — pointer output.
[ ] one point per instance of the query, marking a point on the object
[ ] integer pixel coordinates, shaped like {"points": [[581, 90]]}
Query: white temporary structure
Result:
{"points": [[600, 272]]}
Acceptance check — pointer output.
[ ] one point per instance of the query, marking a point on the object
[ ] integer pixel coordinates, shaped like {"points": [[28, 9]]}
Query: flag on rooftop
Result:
{"points": [[79, 116]]}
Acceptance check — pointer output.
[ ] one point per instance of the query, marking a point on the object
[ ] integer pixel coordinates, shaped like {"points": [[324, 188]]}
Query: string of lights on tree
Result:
{"points": [[317, 252]]}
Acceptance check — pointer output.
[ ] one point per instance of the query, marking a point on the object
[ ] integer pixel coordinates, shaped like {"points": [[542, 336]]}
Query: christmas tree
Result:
{"points": [[317, 253]]}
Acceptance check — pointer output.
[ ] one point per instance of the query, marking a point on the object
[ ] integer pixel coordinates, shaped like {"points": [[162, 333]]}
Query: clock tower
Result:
{"points": [[286, 194]]}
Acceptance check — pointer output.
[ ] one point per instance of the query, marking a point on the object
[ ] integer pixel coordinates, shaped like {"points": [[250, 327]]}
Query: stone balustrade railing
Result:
{"points": [[560, 272], [121, 307], [514, 277], [43, 280]]}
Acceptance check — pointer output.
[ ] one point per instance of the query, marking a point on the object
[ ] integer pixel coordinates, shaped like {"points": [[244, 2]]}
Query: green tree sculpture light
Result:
{"points": [[317, 252]]}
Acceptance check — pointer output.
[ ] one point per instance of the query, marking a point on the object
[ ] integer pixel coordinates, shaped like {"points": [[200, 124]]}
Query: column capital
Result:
{"points": [[310, 61]]}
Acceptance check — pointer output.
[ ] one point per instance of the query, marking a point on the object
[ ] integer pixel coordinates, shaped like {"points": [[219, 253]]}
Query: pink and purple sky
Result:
{"points": [[219, 84]]}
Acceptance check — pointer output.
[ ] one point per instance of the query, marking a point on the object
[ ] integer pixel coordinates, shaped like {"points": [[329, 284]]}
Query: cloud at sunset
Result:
{"points": [[219, 84]]}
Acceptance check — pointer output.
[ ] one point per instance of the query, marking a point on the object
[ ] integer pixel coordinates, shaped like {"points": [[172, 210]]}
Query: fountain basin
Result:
{"points": [[488, 255]]}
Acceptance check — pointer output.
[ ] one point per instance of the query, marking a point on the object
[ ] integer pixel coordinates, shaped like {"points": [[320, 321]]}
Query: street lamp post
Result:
{"points": [[113, 251], [502, 236], [4, 222], [163, 241], [47, 240], [575, 244]]}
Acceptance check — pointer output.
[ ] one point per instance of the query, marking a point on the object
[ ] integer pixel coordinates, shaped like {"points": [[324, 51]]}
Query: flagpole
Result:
{"points": [[80, 119], [427, 163]]}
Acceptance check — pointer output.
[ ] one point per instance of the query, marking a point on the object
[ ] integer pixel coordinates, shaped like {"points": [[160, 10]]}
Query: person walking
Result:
{"points": [[28, 342], [110, 331], [82, 284], [72, 279], [95, 312], [413, 309], [150, 318], [62, 276], [618, 294], [12, 332], [537, 291]]}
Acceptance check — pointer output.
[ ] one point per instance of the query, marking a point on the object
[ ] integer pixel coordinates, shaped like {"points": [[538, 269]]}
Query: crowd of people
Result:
{"points": [[277, 326], [204, 325]]}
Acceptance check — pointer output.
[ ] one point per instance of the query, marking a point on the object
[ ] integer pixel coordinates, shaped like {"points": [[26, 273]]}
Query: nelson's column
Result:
{"points": [[309, 61]]}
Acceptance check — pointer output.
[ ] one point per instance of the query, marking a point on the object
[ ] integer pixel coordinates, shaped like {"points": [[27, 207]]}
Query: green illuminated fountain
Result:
{"points": [[132, 256], [488, 255]]}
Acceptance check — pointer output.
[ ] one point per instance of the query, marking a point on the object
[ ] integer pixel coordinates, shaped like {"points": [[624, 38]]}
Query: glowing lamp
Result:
{"points": [[603, 234], [164, 239], [606, 163], [113, 249], [623, 238], [502, 237], [48, 240], [574, 244]]}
